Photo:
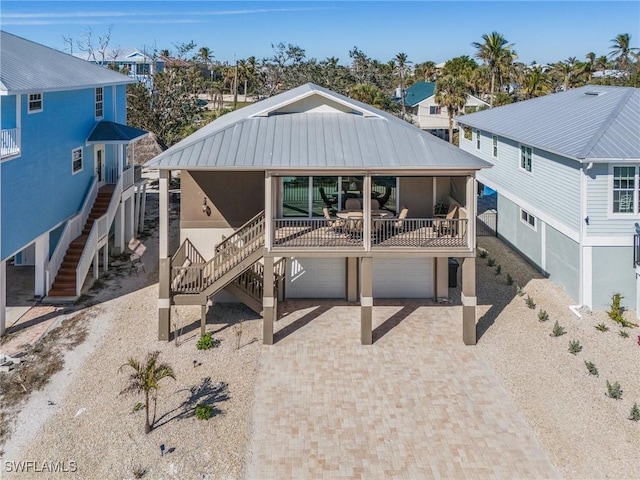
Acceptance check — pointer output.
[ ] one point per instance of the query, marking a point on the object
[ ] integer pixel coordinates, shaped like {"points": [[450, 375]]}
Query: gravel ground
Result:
{"points": [[586, 434]]}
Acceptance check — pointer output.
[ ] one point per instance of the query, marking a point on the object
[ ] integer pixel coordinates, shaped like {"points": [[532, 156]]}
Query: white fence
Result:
{"points": [[9, 142]]}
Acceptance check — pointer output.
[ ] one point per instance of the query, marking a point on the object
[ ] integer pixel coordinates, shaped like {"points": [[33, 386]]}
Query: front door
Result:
{"points": [[99, 164]]}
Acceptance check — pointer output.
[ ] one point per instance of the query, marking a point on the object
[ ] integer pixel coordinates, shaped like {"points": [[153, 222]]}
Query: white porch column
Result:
{"points": [[42, 262], [268, 212], [119, 229], [366, 210], [143, 206], [129, 232], [164, 289], [96, 264], [3, 296], [105, 257]]}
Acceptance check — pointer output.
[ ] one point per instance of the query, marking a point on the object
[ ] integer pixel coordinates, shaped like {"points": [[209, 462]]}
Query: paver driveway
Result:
{"points": [[416, 404]]}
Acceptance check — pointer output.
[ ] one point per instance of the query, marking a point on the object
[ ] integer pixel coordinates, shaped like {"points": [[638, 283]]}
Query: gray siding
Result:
{"points": [[553, 185], [563, 261], [601, 222], [527, 240], [613, 272]]}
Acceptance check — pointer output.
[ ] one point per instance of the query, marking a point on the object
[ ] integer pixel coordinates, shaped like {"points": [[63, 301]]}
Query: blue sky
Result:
{"points": [[541, 31]]}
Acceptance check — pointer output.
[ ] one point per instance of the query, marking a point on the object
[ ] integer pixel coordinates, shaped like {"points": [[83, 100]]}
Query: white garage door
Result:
{"points": [[315, 278], [402, 277]]}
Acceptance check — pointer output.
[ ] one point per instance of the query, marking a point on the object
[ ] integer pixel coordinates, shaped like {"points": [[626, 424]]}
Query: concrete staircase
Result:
{"points": [[64, 285]]}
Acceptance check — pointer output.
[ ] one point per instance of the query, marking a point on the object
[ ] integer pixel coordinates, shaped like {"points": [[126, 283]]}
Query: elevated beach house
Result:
{"points": [[309, 194], [64, 176], [566, 168]]}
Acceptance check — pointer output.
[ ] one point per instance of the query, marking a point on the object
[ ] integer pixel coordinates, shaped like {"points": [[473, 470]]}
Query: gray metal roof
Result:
{"points": [[587, 124], [275, 134], [26, 66]]}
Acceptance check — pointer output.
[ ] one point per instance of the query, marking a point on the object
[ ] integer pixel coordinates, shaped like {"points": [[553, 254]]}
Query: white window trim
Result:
{"points": [[494, 146], [520, 167], [436, 107], [533, 227], [618, 215], [29, 111], [81, 159], [95, 103]]}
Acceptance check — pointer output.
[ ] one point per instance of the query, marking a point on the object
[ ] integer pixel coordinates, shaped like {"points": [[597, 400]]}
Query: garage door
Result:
{"points": [[402, 277], [315, 278]]}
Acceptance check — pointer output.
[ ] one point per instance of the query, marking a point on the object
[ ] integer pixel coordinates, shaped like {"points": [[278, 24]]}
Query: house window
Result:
{"points": [[525, 158], [35, 102], [99, 103], [527, 218], [624, 189], [478, 139], [495, 145], [467, 133], [76, 160], [435, 110]]}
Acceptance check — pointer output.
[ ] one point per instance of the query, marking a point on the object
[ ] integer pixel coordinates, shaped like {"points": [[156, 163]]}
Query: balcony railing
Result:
{"points": [[9, 142], [385, 233]]}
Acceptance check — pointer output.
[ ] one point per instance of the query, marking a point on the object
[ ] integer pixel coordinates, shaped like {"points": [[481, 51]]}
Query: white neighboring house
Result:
{"points": [[566, 167], [420, 99], [134, 63]]}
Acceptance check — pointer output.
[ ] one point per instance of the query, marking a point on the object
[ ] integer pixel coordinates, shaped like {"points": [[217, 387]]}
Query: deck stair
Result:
{"points": [[235, 267], [64, 286]]}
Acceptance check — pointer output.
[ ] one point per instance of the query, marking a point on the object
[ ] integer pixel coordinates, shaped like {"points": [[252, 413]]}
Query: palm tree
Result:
{"points": [[602, 63], [536, 83], [402, 63], [621, 51], [451, 93], [206, 55], [591, 63], [426, 71], [495, 52], [145, 379], [371, 95]]}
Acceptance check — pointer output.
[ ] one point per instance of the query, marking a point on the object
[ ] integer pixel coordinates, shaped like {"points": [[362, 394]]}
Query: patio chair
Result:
{"points": [[328, 201], [399, 224], [136, 263], [448, 226], [352, 204], [375, 205], [332, 222], [384, 198]]}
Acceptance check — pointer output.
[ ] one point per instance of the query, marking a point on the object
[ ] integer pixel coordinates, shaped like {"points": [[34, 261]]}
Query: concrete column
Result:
{"points": [[3, 296], [366, 300], [143, 206], [352, 279], [269, 310], [268, 212], [129, 232], [164, 266], [96, 264], [471, 206], [41, 264], [105, 257], [136, 209], [203, 319], [469, 300], [442, 278], [119, 229], [366, 210]]}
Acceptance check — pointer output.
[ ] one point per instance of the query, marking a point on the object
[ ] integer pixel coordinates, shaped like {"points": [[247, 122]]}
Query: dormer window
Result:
{"points": [[35, 102], [99, 103]]}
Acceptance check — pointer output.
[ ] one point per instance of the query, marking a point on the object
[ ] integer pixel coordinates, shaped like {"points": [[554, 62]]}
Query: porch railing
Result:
{"points": [[9, 142], [71, 231], [410, 232], [128, 178]]}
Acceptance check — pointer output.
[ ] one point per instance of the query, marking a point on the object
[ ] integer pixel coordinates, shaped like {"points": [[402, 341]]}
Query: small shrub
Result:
{"points": [[635, 413], [558, 330], [623, 334], [530, 303], [592, 368], [205, 342], [575, 347], [509, 279], [614, 391], [482, 253], [138, 406], [498, 269], [543, 316], [602, 327], [615, 313], [139, 472], [519, 290], [491, 262], [203, 412]]}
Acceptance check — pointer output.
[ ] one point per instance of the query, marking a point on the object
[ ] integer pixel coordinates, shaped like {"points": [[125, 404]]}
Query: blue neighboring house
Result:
{"points": [[65, 178], [566, 167]]}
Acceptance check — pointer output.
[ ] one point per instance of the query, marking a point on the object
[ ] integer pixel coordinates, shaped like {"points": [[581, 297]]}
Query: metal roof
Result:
{"points": [[111, 132], [589, 123], [418, 92], [124, 55], [26, 66], [283, 132]]}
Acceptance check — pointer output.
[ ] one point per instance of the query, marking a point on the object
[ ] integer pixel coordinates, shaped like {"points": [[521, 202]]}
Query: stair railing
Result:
{"points": [[71, 231]]}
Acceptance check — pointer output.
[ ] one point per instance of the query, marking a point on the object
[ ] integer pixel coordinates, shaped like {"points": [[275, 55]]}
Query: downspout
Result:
{"points": [[583, 227]]}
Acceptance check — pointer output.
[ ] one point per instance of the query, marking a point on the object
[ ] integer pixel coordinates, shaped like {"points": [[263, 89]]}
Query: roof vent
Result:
{"points": [[593, 93]]}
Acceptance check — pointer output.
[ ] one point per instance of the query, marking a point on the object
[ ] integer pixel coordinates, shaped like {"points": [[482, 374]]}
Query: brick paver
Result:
{"points": [[417, 404]]}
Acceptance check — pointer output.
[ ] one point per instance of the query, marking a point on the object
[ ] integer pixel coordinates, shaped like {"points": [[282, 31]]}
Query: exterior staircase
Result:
{"points": [[234, 267], [64, 285]]}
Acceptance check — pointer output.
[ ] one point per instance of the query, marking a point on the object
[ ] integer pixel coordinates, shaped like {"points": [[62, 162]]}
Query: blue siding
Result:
{"points": [[8, 111], [601, 221], [38, 189], [563, 261], [121, 104], [613, 272], [510, 228], [553, 185]]}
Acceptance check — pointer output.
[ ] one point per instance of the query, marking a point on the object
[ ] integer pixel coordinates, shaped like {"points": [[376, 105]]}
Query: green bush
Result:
{"points": [[623, 334], [575, 347], [614, 391], [203, 412], [530, 303], [592, 368], [491, 262], [558, 330], [205, 342], [509, 279], [635, 413], [543, 316], [519, 290], [602, 327], [482, 253], [498, 269], [615, 313]]}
